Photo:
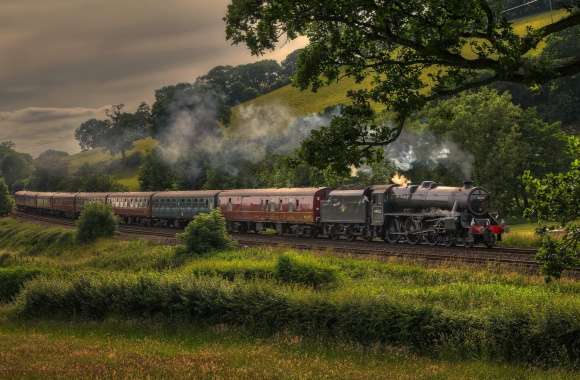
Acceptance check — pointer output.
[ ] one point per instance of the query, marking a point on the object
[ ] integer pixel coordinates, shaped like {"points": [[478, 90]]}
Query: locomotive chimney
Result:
{"points": [[467, 184]]}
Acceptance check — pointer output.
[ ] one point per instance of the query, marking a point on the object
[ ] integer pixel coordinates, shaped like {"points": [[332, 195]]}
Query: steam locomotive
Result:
{"points": [[425, 213]]}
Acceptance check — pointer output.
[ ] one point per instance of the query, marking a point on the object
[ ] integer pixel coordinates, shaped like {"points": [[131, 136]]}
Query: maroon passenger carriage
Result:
{"points": [[287, 210]]}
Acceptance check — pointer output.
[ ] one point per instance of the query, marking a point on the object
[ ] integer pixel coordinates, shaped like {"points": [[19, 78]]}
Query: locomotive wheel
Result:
{"points": [[450, 242], [489, 240], [412, 227], [391, 237], [432, 238]]}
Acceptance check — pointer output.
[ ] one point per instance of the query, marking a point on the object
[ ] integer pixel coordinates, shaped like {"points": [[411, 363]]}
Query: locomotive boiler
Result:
{"points": [[440, 215]]}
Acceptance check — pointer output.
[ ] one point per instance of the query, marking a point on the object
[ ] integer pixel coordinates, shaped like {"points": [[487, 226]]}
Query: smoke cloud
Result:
{"points": [[258, 133], [423, 146]]}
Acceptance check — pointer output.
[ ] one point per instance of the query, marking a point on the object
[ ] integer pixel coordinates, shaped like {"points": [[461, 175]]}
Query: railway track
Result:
{"points": [[513, 257]]}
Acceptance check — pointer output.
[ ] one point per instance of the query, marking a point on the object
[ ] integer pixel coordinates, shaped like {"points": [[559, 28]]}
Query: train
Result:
{"points": [[427, 213]]}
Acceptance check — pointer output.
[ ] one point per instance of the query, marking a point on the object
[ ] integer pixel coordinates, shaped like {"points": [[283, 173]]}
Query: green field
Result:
{"points": [[134, 308], [129, 177], [139, 350]]}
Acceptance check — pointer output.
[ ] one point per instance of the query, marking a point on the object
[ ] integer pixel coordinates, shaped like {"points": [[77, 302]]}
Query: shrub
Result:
{"points": [[306, 271], [6, 201], [96, 220], [206, 232], [231, 269], [33, 239], [12, 280], [550, 338]]}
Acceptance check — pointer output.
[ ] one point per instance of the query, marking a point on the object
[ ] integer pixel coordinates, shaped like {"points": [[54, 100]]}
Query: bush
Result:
{"points": [[96, 221], [550, 338], [306, 271], [6, 201], [12, 280], [206, 232]]}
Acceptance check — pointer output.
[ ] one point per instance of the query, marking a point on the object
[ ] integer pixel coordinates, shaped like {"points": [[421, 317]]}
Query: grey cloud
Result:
{"points": [[40, 114], [35, 130], [60, 60], [59, 53]]}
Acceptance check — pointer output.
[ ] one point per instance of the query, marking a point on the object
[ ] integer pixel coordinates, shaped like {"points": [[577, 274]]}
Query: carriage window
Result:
{"points": [[297, 204]]}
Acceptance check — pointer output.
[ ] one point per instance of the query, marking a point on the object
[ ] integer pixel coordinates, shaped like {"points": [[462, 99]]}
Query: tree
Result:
{"points": [[6, 201], [92, 134], [502, 139], [206, 232], [203, 103], [290, 63], [556, 100], [96, 221], [415, 50], [50, 171], [15, 167], [125, 128], [556, 197], [118, 132], [155, 174], [92, 178]]}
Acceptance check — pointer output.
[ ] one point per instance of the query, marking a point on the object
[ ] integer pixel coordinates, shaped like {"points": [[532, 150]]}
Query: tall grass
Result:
{"points": [[34, 239], [513, 334], [456, 311]]}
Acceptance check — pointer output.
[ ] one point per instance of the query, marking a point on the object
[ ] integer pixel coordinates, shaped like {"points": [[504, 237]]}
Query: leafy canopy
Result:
{"points": [[415, 51], [206, 232], [556, 197], [96, 220]]}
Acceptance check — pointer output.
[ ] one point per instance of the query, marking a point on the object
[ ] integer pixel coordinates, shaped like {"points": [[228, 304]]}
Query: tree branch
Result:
{"points": [[490, 17]]}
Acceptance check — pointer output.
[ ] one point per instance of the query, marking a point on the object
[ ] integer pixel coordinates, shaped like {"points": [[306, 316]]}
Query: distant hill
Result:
{"points": [[299, 103], [127, 177]]}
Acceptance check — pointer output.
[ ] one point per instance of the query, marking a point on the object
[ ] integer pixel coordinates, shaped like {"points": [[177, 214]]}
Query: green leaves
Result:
{"points": [[96, 221], [206, 232], [556, 197], [414, 51]]}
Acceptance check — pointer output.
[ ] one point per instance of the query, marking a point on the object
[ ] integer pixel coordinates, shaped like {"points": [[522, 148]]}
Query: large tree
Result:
{"points": [[15, 167], [494, 141], [415, 51]]}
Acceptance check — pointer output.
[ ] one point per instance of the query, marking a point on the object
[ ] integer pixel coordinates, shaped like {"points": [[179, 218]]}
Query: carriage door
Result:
{"points": [[377, 214]]}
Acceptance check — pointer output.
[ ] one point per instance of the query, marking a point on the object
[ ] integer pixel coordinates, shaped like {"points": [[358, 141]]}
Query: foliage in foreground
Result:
{"points": [[136, 350], [96, 221], [548, 338], [557, 197], [206, 232], [13, 279], [304, 270]]}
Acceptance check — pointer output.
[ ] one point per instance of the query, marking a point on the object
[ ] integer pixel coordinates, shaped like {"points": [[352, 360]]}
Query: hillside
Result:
{"points": [[305, 102], [298, 103], [127, 177]]}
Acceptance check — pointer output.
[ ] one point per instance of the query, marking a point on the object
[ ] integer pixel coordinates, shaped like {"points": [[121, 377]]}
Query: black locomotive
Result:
{"points": [[413, 214]]}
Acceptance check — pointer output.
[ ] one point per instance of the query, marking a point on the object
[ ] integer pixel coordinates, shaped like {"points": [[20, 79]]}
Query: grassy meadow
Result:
{"points": [[135, 308]]}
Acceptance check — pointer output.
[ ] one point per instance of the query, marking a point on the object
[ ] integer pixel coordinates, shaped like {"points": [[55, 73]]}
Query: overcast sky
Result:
{"points": [[64, 61]]}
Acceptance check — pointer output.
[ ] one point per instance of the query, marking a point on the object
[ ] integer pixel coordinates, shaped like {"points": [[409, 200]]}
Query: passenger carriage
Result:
{"points": [[177, 208], [287, 210]]}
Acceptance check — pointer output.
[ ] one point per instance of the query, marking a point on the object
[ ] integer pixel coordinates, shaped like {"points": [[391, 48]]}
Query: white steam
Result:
{"points": [[259, 132], [413, 147]]}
